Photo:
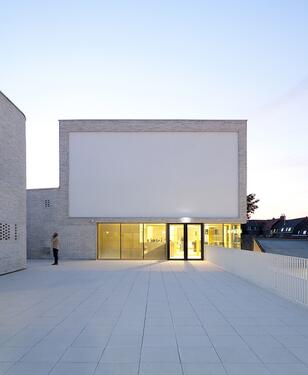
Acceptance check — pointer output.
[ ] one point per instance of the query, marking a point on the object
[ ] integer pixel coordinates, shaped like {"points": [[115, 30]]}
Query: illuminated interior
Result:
{"points": [[232, 236], [176, 241], [154, 241], [131, 241], [185, 238], [149, 241], [194, 241], [224, 235], [108, 241], [213, 234]]}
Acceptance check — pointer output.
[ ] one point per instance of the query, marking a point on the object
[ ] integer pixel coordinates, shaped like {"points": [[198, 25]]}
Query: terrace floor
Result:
{"points": [[149, 318]]}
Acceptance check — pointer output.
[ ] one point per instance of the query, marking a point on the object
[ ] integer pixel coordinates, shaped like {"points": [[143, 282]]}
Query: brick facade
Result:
{"points": [[78, 235], [12, 187]]}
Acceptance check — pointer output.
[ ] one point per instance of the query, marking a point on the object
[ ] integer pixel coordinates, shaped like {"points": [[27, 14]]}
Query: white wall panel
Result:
{"points": [[153, 174]]}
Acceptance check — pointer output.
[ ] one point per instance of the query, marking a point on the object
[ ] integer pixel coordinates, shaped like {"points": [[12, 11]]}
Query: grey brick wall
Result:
{"points": [[45, 216], [78, 235], [12, 187]]}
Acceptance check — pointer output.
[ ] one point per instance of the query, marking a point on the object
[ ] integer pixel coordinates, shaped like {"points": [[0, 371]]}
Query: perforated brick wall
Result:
{"points": [[12, 187]]}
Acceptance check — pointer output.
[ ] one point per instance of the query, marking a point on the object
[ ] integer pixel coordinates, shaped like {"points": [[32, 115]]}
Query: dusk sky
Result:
{"points": [[166, 59]]}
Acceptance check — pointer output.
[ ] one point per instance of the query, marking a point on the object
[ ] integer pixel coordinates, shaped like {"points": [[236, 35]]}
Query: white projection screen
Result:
{"points": [[153, 174]]}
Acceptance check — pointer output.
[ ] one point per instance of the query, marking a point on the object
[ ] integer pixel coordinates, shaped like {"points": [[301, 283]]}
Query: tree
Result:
{"points": [[251, 204]]}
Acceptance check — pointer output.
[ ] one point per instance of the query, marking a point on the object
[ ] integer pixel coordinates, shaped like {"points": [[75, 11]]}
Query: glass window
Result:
{"points": [[108, 241], [232, 235], [213, 234], [155, 241], [132, 241]]}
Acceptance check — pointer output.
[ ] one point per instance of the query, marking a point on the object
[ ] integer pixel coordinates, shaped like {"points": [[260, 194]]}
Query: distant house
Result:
{"points": [[277, 228], [277, 236], [302, 228], [290, 228], [261, 227], [254, 227], [268, 225]]}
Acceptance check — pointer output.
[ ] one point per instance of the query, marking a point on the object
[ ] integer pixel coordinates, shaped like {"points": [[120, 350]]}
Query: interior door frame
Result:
{"points": [[185, 240]]}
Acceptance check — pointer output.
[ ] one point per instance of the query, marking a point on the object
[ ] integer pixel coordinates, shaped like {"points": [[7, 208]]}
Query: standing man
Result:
{"points": [[55, 248]]}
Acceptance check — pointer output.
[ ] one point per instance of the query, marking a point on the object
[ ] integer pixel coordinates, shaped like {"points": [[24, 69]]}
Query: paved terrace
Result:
{"points": [[149, 318]]}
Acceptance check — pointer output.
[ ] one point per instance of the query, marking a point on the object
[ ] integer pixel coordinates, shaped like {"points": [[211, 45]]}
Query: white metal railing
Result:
{"points": [[287, 276]]}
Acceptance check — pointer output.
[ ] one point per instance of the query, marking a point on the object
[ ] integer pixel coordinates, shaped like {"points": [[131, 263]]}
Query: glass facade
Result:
{"points": [[154, 241], [224, 235], [149, 241], [232, 236], [108, 241], [131, 241], [176, 241], [194, 247], [213, 234]]}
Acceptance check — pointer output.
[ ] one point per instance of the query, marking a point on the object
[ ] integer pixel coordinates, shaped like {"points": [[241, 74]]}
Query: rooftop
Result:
{"points": [[290, 247], [146, 317]]}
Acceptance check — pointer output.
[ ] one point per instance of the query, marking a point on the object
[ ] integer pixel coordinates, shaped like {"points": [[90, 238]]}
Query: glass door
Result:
{"points": [[176, 241], [194, 241], [185, 241]]}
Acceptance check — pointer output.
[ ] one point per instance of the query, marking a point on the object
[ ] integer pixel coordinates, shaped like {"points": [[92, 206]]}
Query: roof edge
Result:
{"points": [[153, 119], [10, 101], [44, 188]]}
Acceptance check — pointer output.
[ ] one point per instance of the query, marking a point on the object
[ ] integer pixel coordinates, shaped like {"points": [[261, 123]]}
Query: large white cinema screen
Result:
{"points": [[153, 174]]}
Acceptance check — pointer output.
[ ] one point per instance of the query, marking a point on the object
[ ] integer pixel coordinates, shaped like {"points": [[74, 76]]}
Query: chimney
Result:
{"points": [[283, 217]]}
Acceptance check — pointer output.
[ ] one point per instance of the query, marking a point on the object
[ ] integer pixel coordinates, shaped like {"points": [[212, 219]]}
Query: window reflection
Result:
{"points": [[108, 241], [132, 241], [232, 235], [213, 234], [154, 241]]}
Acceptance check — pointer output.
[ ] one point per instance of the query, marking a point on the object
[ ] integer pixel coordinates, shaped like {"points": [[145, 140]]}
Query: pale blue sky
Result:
{"points": [[166, 59]]}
